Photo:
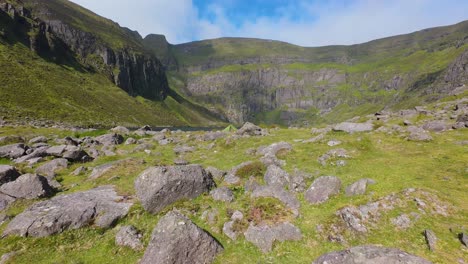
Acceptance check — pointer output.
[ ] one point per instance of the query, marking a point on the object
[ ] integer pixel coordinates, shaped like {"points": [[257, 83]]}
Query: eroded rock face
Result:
{"points": [[322, 189], [101, 206], [370, 255], [158, 187], [264, 236], [178, 240]]}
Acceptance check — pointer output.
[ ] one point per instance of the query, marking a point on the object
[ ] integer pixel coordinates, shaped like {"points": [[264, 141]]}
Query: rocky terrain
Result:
{"points": [[383, 188]]}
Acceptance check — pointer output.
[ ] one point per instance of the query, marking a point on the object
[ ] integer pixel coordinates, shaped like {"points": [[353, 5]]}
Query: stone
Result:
{"points": [[80, 170], [120, 130], [279, 193], [315, 139], [322, 189], [27, 186], [39, 139], [333, 143], [435, 126], [222, 194], [431, 239], [176, 239], [5, 201], [463, 239], [128, 236], [418, 134], [216, 173], [50, 168], [297, 182], [229, 231], [130, 141], [210, 136], [12, 151], [110, 139], [231, 177], [402, 221], [276, 176], [73, 153], [370, 254], [210, 216], [180, 161], [250, 130], [158, 187], [183, 149], [100, 206], [237, 215], [359, 187], [36, 153], [353, 127], [56, 151], [274, 148], [71, 141], [263, 236], [7, 174], [333, 153]]}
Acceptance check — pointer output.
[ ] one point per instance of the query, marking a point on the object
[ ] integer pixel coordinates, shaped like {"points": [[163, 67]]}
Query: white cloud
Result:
{"points": [[303, 23]]}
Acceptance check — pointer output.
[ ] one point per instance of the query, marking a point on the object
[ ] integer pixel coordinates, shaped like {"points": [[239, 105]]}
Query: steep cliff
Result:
{"points": [[276, 82]]}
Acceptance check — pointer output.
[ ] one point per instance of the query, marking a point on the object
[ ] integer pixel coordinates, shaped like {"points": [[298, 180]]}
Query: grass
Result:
{"points": [[437, 167]]}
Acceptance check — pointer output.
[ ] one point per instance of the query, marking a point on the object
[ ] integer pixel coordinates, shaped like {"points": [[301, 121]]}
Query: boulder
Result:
{"points": [[353, 127], [418, 134], [178, 240], [100, 206], [435, 126], [250, 130], [36, 153], [264, 236], [128, 236], [39, 139], [56, 151], [73, 153], [100, 170], [359, 187], [12, 151], [27, 186], [463, 239], [322, 189], [222, 194], [51, 167], [120, 130], [276, 176], [158, 187], [216, 173], [110, 139], [370, 255], [183, 149], [431, 239], [5, 201], [130, 141], [78, 171], [8, 174], [210, 136], [274, 148]]}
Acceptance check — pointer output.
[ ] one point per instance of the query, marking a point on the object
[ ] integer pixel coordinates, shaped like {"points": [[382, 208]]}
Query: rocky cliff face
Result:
{"points": [[136, 71]]}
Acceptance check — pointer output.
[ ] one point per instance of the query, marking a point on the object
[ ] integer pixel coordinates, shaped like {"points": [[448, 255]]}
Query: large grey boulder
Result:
{"points": [[418, 134], [74, 153], [100, 206], [370, 255], [322, 189], [27, 186], [110, 139], [435, 126], [12, 151], [50, 168], [8, 174], [276, 176], [264, 236], [56, 151], [38, 139], [359, 187], [250, 129], [36, 153], [158, 187], [120, 130], [128, 236], [177, 240], [353, 127]]}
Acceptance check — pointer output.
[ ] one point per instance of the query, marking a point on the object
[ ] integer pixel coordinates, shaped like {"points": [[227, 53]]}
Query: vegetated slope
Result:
{"points": [[276, 82], [62, 62]]}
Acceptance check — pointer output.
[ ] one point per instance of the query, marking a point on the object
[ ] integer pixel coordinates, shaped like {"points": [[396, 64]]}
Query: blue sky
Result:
{"points": [[301, 22]]}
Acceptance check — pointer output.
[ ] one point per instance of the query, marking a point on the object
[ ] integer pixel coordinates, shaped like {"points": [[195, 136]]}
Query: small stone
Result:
{"points": [[463, 239], [431, 239], [222, 194], [130, 237]]}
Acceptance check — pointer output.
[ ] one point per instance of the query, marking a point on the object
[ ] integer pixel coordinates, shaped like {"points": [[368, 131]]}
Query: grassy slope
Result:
{"points": [[437, 167]]}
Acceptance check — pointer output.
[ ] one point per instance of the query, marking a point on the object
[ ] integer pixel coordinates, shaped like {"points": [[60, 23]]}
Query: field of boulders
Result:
{"points": [[384, 188]]}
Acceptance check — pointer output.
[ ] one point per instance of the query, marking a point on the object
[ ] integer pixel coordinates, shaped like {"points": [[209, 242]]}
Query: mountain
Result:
{"points": [[276, 82], [62, 62]]}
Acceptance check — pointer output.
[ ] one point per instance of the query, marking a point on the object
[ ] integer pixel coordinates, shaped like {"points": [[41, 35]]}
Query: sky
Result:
{"points": [[302, 22]]}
